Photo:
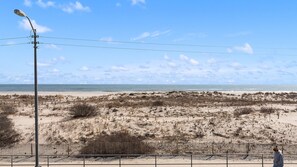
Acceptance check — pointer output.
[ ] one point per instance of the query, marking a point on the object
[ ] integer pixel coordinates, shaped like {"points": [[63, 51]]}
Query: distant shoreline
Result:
{"points": [[100, 93], [115, 88]]}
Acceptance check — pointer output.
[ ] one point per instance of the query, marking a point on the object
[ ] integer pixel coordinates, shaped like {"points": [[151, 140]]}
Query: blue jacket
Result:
{"points": [[278, 160]]}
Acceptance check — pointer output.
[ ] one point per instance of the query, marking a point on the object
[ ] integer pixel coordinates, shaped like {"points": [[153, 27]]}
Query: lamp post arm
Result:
{"points": [[33, 29]]}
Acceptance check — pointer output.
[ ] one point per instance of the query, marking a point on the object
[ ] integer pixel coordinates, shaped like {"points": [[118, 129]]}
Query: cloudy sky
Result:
{"points": [[150, 41]]}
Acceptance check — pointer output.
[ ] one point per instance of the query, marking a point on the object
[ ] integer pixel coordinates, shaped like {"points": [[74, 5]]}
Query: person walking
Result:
{"points": [[278, 159]]}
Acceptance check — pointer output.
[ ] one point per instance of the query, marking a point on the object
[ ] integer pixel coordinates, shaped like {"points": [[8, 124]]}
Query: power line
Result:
{"points": [[135, 49], [13, 44], [130, 42], [13, 38], [157, 50], [151, 43]]}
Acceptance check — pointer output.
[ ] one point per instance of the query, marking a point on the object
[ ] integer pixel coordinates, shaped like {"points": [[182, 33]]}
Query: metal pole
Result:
{"points": [[262, 161], [11, 160], [191, 160], [227, 159], [32, 150], [22, 14], [84, 161], [36, 99]]}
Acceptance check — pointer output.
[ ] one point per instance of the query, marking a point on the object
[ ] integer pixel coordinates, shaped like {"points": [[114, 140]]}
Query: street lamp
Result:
{"points": [[22, 14]]}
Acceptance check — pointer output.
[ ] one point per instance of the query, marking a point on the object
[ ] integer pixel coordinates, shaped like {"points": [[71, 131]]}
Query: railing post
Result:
{"points": [[11, 160], [68, 150], [262, 161], [191, 160], [47, 161], [120, 161], [31, 149], [155, 160], [84, 161], [227, 158], [212, 148]]}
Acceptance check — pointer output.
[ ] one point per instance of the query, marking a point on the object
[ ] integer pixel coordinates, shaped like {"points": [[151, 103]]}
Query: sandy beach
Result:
{"points": [[172, 122]]}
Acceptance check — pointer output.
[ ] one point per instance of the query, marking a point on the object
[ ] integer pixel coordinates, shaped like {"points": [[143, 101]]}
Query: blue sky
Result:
{"points": [[150, 41]]}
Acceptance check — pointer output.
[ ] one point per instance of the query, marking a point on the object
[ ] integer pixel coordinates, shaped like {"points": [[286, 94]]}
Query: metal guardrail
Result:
{"points": [[129, 160], [176, 147]]}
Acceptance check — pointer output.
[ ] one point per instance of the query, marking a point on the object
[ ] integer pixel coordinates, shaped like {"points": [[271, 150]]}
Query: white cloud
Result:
{"points": [[39, 64], [194, 62], [52, 46], [77, 6], [188, 60], [106, 39], [55, 70], [119, 68], [69, 8], [154, 34], [183, 57], [46, 4], [135, 2], [40, 29], [57, 59], [166, 57], [142, 36], [172, 64], [246, 48], [238, 34], [211, 61], [144, 67], [84, 68], [236, 66], [28, 3], [229, 50], [62, 58]]}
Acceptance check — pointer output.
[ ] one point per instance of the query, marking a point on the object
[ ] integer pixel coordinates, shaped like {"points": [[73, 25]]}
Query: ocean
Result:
{"points": [[140, 88]]}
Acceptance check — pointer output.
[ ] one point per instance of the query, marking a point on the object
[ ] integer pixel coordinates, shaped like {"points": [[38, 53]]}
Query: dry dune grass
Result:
{"points": [[170, 117]]}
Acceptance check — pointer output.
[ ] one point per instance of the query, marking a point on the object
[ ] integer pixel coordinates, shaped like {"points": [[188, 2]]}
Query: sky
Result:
{"points": [[150, 41]]}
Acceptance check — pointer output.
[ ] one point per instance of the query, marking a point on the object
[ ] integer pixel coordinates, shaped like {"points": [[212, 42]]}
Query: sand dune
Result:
{"points": [[185, 117]]}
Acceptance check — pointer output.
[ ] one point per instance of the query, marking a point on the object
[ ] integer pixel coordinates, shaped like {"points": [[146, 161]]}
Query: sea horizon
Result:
{"points": [[145, 87]]}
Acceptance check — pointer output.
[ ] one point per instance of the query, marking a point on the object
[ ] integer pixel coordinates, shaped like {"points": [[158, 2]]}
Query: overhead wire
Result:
{"points": [[130, 42], [13, 44], [132, 48], [14, 38], [135, 49], [138, 43], [10, 38], [152, 43], [156, 50]]}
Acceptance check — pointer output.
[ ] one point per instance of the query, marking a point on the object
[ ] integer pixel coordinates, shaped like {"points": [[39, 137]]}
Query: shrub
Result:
{"points": [[8, 109], [242, 111], [82, 110], [8, 135], [267, 110], [157, 103], [117, 143]]}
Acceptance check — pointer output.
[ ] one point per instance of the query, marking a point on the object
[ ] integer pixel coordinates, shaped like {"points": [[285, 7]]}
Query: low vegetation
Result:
{"points": [[117, 143], [242, 111], [82, 110], [6, 109], [8, 135], [267, 110]]}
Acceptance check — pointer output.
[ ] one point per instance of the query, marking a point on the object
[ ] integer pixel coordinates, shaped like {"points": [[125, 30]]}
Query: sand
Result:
{"points": [[183, 122]]}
